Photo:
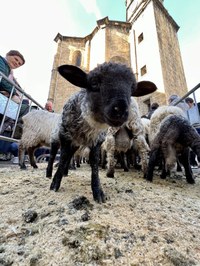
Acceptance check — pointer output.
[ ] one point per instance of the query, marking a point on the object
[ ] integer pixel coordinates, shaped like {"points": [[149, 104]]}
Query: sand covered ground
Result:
{"points": [[141, 223]]}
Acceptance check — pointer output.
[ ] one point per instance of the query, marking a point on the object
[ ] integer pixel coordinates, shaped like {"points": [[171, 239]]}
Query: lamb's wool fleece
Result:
{"points": [[146, 124], [158, 116], [174, 139], [134, 124], [103, 101], [38, 127], [118, 142]]}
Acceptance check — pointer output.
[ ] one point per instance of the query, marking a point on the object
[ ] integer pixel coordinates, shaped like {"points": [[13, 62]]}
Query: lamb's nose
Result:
{"points": [[120, 112]]}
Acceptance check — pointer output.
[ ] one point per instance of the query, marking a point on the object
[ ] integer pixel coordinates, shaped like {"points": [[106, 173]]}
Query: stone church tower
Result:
{"points": [[147, 42]]}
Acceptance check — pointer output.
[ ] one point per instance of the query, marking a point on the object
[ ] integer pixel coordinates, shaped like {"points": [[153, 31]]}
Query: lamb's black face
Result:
{"points": [[110, 103], [109, 88], [109, 95], [116, 113]]}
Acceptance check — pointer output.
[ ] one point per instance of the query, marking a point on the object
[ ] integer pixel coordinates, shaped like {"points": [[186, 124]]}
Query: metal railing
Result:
{"points": [[192, 91], [189, 93], [8, 108]]}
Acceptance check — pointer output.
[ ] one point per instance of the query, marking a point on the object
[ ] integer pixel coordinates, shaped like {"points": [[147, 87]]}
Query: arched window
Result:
{"points": [[77, 56]]}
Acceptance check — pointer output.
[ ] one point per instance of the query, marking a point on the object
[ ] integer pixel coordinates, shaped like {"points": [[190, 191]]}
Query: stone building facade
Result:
{"points": [[147, 42]]}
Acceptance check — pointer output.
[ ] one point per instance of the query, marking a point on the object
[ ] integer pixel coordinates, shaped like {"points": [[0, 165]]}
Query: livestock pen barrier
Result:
{"points": [[11, 109], [193, 94]]}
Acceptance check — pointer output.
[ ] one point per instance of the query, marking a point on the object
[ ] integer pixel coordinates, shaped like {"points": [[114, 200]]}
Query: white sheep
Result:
{"points": [[157, 117], [117, 143], [40, 127], [118, 139]]}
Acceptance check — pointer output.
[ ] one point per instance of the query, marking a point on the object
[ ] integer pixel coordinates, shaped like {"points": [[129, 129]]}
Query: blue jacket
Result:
{"points": [[5, 69]]}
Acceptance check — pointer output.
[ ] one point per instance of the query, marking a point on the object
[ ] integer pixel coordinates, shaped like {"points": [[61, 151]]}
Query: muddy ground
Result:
{"points": [[141, 223]]}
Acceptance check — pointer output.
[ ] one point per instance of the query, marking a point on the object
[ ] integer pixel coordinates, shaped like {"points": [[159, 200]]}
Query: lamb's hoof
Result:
{"points": [[137, 167], [72, 167], [111, 175], [191, 181], [149, 179], [48, 174], [126, 170], [99, 196], [35, 166], [23, 167], [54, 186]]}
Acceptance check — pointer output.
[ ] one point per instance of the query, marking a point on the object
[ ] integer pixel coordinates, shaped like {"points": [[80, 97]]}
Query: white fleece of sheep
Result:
{"points": [[158, 116], [135, 124], [38, 127]]}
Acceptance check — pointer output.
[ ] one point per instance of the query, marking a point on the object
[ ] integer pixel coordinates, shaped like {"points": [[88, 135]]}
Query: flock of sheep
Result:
{"points": [[104, 117]]}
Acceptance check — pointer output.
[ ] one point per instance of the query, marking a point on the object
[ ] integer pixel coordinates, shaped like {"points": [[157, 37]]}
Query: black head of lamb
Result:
{"points": [[109, 88]]}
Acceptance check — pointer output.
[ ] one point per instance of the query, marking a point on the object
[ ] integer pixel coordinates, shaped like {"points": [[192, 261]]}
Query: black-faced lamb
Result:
{"points": [[103, 101], [39, 127], [173, 141]]}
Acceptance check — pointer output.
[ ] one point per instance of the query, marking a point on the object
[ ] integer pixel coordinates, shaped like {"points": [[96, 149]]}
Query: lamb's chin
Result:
{"points": [[114, 123]]}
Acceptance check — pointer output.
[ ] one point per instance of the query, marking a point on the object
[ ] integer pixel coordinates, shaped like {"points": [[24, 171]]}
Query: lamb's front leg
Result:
{"points": [[66, 153], [53, 152], [151, 165], [184, 159], [21, 154], [97, 191]]}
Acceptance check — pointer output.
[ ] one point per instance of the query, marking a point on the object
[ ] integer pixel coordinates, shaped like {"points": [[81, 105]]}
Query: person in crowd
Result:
{"points": [[49, 106], [173, 99], [193, 113], [8, 148], [194, 118], [153, 107], [13, 59], [13, 149]]}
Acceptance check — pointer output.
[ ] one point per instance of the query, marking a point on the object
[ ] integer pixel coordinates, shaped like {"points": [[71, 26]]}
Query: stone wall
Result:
{"points": [[171, 61]]}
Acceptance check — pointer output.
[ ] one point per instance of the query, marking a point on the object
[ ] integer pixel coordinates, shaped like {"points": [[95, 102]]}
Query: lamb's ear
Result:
{"points": [[144, 88], [74, 75]]}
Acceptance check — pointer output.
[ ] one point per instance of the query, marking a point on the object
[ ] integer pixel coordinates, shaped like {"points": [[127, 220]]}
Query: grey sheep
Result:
{"points": [[103, 101], [173, 141], [157, 117]]}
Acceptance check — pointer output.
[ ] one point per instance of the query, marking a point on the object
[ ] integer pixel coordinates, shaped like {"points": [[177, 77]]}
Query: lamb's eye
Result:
{"points": [[94, 85]]}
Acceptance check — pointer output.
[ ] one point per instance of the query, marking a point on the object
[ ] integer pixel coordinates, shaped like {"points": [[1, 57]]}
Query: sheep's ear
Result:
{"points": [[74, 75], [144, 88]]}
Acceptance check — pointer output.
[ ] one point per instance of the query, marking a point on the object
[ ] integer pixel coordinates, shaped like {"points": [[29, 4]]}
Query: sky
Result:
{"points": [[30, 26]]}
